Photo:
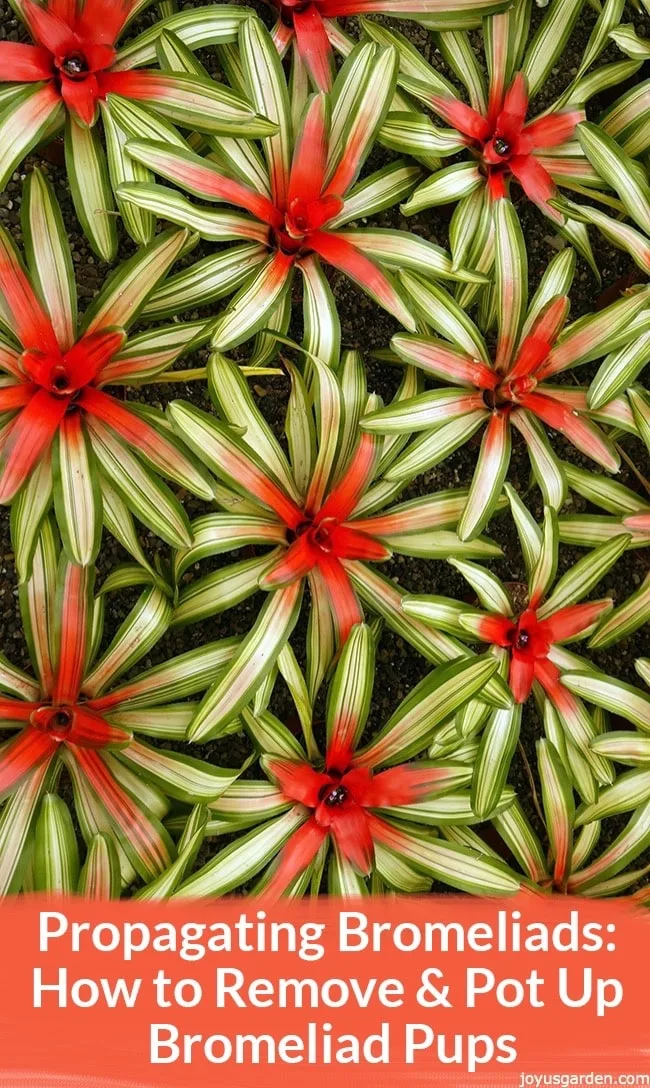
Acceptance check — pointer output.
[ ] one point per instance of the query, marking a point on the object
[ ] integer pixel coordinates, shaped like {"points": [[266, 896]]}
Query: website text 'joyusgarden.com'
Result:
{"points": [[564, 1080]]}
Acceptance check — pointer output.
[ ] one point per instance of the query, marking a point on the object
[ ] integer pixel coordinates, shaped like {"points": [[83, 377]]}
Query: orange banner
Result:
{"points": [[381, 992]]}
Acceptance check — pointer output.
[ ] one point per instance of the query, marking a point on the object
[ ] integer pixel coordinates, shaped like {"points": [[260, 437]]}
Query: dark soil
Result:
{"points": [[367, 328]]}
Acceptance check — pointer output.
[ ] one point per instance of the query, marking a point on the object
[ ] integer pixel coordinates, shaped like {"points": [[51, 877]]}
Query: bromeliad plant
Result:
{"points": [[298, 204], [62, 437], [528, 637], [629, 792], [626, 512], [70, 73], [316, 36], [573, 830], [502, 144], [513, 387], [322, 511], [350, 799], [612, 148], [78, 713]]}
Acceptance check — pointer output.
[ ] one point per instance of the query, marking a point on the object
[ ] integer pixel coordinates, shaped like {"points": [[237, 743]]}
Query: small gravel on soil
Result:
{"points": [[367, 328]]}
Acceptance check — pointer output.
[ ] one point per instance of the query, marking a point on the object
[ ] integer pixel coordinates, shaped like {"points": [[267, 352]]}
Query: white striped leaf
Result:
{"points": [[498, 745], [612, 695], [94, 819], [195, 102], [77, 496], [90, 185], [149, 353], [27, 511], [196, 28], [549, 42], [379, 191], [511, 282], [345, 882], [619, 370], [452, 808], [143, 627], [547, 469], [516, 831], [205, 281], [583, 576], [528, 531], [607, 21], [557, 280], [385, 598], [272, 738], [267, 89], [100, 876], [16, 823], [585, 843], [232, 397], [631, 842], [179, 678], [321, 641], [127, 289], [189, 845], [489, 477], [123, 169], [16, 682], [618, 170], [322, 326], [244, 858], [431, 702], [590, 531], [221, 589], [601, 491], [27, 118], [256, 656], [559, 809], [411, 61], [415, 134], [164, 723], [433, 447], [545, 569], [628, 748], [193, 781], [255, 303], [147, 496], [452, 864], [456, 48], [246, 803], [37, 597], [214, 534], [440, 310], [629, 791], [441, 544], [141, 123], [488, 587], [350, 692], [361, 98], [56, 854], [49, 261], [446, 186], [397, 249], [624, 620]]}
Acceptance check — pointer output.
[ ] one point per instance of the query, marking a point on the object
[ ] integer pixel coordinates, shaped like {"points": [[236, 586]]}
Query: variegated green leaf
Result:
{"points": [[100, 877], [613, 695], [244, 858], [91, 188], [56, 854], [257, 655]]}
